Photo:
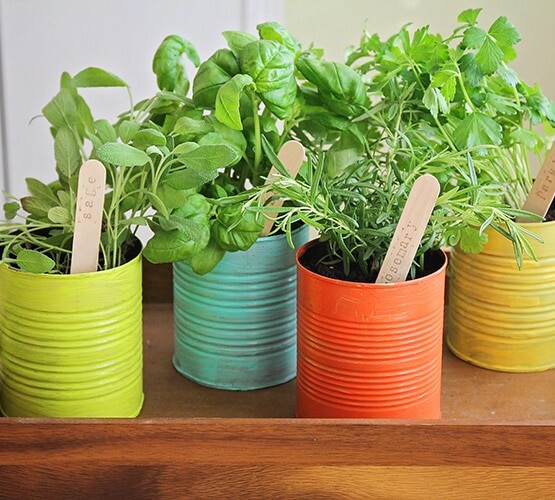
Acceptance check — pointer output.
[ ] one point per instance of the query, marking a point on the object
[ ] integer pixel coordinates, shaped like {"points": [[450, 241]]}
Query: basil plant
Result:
{"points": [[256, 90]]}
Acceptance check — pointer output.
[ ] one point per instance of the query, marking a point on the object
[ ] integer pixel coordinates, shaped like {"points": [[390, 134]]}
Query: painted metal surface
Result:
{"points": [[500, 317], [71, 345], [235, 326], [369, 350]]}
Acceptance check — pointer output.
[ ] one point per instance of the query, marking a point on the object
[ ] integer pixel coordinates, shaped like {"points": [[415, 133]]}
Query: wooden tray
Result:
{"points": [[496, 439]]}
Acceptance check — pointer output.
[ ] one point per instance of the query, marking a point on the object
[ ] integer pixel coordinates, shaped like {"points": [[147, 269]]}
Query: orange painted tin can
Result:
{"points": [[369, 350]]}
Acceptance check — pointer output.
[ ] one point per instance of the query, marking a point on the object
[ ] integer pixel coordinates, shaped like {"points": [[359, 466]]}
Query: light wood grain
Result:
{"points": [[543, 190], [88, 217], [409, 231]]}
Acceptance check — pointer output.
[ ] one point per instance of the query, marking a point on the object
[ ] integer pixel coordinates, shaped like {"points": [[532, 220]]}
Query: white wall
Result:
{"points": [[39, 39]]}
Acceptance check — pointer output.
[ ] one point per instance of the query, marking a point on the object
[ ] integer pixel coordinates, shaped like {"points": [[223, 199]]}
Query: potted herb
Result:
{"points": [[71, 344], [234, 301], [368, 349], [462, 95]]}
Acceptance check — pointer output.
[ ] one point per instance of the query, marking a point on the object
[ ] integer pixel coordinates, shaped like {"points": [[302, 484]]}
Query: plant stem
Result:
{"points": [[257, 139]]}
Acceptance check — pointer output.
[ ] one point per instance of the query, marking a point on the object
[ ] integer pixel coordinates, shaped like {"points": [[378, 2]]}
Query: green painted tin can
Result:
{"points": [[235, 327], [71, 345]]}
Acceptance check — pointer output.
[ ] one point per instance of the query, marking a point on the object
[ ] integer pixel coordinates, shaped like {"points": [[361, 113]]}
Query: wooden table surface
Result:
{"points": [[496, 440]]}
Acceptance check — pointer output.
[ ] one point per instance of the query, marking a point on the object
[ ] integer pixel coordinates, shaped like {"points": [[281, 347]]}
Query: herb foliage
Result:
{"points": [[451, 107], [145, 169]]}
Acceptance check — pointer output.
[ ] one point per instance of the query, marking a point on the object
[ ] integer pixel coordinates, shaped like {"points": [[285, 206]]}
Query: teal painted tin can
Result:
{"points": [[235, 327]]}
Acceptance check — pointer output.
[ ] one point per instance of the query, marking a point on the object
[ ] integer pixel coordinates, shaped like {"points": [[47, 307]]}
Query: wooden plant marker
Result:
{"points": [[543, 190], [291, 155], [410, 229], [88, 217]]}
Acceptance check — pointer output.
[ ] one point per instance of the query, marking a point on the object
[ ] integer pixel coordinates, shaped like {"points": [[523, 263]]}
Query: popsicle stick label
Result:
{"points": [[88, 217], [291, 155], [410, 229], [543, 190]]}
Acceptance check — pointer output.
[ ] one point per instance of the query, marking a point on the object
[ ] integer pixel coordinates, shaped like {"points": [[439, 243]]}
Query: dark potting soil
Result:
{"points": [[314, 259], [550, 216]]}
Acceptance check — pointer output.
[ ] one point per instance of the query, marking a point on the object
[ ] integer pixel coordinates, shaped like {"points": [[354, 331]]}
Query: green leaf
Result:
{"points": [[211, 75], [275, 31], [184, 148], [105, 131], [446, 80], [236, 229], [121, 154], [190, 178], [158, 205], [10, 209], [156, 151], [508, 75], [172, 246], [168, 65], [341, 87], [149, 137], [40, 190], [494, 46], [489, 56], [527, 137], [186, 227], [469, 16], [448, 90], [209, 157], [228, 101], [471, 240], [471, 70], [85, 120], [345, 152], [504, 33], [474, 37], [61, 110], [232, 138], [208, 258], [65, 199], [238, 40], [66, 152], [477, 129], [272, 68], [135, 221], [37, 207], [192, 128], [172, 198], [97, 77], [59, 215], [435, 101], [34, 262], [127, 130]]}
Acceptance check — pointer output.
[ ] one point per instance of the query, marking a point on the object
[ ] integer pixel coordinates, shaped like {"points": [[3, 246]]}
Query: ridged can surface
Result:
{"points": [[500, 317], [369, 350], [235, 326], [71, 345]]}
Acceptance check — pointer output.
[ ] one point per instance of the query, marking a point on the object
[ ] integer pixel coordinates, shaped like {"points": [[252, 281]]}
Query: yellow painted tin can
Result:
{"points": [[500, 317], [71, 345]]}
